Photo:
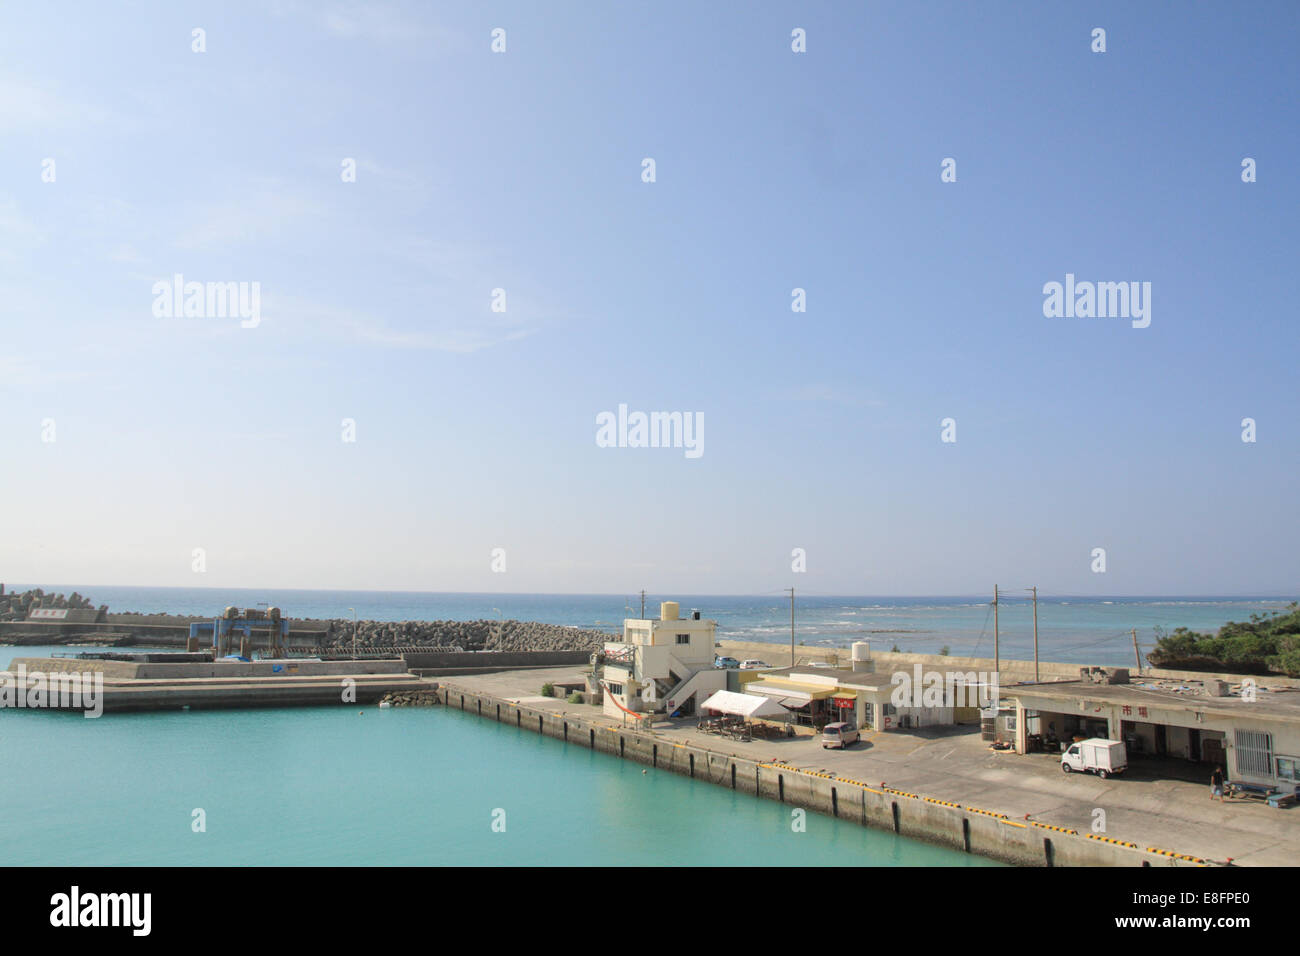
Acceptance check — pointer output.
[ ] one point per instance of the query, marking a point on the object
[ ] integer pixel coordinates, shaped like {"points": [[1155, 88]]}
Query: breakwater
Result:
{"points": [[458, 635], [18, 605], [982, 831], [35, 617], [365, 638]]}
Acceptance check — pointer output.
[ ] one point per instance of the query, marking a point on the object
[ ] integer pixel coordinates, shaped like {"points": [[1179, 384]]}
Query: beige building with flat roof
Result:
{"points": [[662, 665]]}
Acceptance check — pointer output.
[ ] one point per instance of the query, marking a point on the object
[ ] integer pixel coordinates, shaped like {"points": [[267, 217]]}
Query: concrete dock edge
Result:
{"points": [[966, 829]]}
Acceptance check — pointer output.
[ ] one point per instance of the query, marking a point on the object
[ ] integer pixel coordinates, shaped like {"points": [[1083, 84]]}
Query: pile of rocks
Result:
{"points": [[462, 635], [410, 698], [16, 606]]}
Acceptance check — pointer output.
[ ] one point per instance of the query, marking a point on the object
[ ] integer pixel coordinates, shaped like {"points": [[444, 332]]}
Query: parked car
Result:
{"points": [[725, 662], [839, 734], [752, 665], [1098, 755]]}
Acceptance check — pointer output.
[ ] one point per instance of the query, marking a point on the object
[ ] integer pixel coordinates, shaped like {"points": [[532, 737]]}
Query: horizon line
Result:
{"points": [[62, 588]]}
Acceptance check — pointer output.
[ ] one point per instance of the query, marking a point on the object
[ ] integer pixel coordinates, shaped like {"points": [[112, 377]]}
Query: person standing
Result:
{"points": [[1216, 784]]}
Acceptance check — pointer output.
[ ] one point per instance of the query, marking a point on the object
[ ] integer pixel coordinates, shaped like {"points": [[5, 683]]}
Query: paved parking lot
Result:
{"points": [[1147, 805]]}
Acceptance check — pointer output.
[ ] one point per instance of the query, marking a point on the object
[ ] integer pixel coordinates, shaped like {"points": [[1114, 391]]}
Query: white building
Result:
{"points": [[661, 666]]}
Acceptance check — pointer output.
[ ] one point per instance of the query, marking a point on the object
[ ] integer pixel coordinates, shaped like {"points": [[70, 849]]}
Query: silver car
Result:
{"points": [[839, 734]]}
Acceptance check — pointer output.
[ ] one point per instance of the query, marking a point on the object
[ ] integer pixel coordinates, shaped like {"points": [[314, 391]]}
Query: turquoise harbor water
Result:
{"points": [[419, 786]]}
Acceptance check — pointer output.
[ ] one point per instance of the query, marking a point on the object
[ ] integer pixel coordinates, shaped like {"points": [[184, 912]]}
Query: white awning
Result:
{"points": [[743, 705], [795, 698]]}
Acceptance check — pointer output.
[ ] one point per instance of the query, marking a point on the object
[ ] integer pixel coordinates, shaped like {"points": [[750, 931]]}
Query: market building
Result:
{"points": [[817, 696], [1252, 731]]}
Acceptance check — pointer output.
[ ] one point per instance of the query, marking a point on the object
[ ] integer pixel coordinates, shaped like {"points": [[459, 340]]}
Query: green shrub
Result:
{"points": [[548, 689], [1268, 643], [575, 698]]}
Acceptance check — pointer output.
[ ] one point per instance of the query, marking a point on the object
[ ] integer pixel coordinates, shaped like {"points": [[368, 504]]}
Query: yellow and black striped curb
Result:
{"points": [[1176, 856], [987, 813], [1103, 839], [902, 793], [1048, 826], [942, 803]]}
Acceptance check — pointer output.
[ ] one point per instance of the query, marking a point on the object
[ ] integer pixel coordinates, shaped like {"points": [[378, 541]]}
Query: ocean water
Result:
{"points": [[1092, 630], [406, 786]]}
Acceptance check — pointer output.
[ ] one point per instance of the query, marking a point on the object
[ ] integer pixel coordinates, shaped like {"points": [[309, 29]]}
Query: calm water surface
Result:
{"points": [[317, 786]]}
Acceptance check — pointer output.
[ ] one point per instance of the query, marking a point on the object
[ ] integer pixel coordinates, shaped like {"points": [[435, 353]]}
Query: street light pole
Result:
{"points": [[791, 590], [997, 657]]}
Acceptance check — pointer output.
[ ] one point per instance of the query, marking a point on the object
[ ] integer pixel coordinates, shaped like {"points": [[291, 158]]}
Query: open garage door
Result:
{"points": [[1047, 730]]}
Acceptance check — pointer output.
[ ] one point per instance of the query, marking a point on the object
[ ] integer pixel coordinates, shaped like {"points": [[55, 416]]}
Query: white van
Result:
{"points": [[840, 735], [1097, 755]]}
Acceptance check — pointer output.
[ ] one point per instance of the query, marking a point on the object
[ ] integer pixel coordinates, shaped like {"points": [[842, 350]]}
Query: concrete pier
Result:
{"points": [[131, 686], [940, 785], [971, 830]]}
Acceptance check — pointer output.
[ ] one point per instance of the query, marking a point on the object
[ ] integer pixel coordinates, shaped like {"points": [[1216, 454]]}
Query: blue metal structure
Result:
{"points": [[232, 622]]}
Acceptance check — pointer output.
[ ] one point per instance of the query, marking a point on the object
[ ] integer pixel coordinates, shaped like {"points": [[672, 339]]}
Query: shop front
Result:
{"points": [[808, 704]]}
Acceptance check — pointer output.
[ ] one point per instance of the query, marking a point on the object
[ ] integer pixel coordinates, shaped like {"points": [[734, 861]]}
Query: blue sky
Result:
{"points": [[774, 170]]}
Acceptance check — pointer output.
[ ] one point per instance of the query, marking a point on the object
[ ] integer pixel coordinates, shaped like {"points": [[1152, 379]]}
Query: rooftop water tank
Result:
{"points": [[860, 656], [668, 611]]}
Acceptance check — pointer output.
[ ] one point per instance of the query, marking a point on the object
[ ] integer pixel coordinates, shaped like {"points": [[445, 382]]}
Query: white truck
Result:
{"points": [[1098, 755]]}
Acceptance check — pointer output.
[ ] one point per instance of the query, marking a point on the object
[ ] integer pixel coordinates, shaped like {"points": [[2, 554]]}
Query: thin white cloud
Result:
{"points": [[18, 234], [267, 214], [304, 318], [389, 24], [26, 106], [26, 372], [825, 392]]}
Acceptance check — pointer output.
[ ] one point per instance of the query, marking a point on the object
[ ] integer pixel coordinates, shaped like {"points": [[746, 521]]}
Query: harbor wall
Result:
{"points": [[484, 661], [129, 670], [1010, 670], [967, 829]]}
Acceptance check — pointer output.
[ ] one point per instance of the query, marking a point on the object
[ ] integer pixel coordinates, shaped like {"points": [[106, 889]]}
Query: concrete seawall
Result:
{"points": [[468, 662], [967, 829], [1011, 670]]}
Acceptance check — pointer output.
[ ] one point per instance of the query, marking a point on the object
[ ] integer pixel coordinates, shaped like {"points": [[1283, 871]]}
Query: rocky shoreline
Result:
{"points": [[410, 698]]}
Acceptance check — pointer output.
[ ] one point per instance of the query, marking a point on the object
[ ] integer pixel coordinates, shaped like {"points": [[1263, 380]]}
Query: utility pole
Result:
{"points": [[997, 667], [1035, 590], [791, 590], [1136, 653], [643, 604]]}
